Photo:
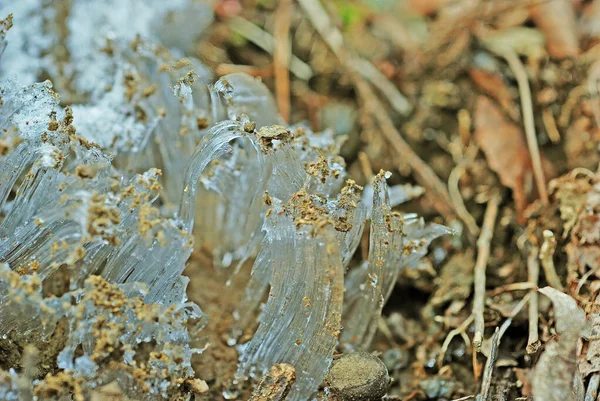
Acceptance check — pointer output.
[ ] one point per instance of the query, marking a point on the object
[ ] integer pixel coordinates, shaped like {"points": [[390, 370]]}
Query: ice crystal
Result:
{"points": [[111, 326], [101, 203]]}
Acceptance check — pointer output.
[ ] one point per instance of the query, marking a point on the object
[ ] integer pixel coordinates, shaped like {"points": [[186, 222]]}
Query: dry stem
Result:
{"points": [[533, 274], [546, 257], [489, 365], [423, 173], [526, 105], [457, 200], [550, 125], [265, 41], [483, 254], [281, 57], [460, 330], [333, 37]]}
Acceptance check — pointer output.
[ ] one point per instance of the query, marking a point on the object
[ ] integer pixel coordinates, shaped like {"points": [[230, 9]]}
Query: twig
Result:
{"points": [[423, 173], [333, 37], [550, 125], [266, 42], [483, 253], [489, 367], [365, 165], [546, 257], [527, 107], [584, 278], [513, 313], [281, 57], [533, 274], [491, 361], [372, 74], [453, 333], [511, 287], [457, 199]]}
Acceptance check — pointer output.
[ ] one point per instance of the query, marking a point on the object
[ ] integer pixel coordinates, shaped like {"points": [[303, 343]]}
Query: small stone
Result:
{"points": [[357, 376]]}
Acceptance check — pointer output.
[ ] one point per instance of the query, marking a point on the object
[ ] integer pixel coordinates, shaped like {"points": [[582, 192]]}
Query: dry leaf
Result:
{"points": [[591, 362], [556, 18], [493, 85], [583, 250], [556, 376], [506, 152], [569, 318]]}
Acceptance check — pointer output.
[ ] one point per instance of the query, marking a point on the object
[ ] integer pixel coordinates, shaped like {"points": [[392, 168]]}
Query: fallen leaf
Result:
{"points": [[556, 376], [583, 250], [506, 152], [591, 362], [556, 18], [493, 85], [569, 318]]}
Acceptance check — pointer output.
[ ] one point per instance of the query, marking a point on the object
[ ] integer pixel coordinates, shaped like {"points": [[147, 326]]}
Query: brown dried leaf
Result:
{"points": [[493, 85], [502, 142], [506, 152], [556, 18]]}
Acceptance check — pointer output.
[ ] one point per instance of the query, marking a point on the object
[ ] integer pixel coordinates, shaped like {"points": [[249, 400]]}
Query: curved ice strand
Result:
{"points": [[301, 320], [216, 143], [395, 242], [243, 94]]}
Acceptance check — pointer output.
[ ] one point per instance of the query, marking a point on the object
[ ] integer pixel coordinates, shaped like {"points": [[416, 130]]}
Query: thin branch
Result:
{"points": [[320, 20], [550, 125], [281, 57], [546, 257], [513, 313], [483, 254], [423, 173], [457, 200], [527, 107], [365, 165], [265, 41], [491, 361], [533, 274], [524, 286], [489, 367], [460, 330]]}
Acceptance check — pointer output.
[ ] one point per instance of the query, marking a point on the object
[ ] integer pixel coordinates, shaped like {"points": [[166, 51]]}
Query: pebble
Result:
{"points": [[357, 376]]}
